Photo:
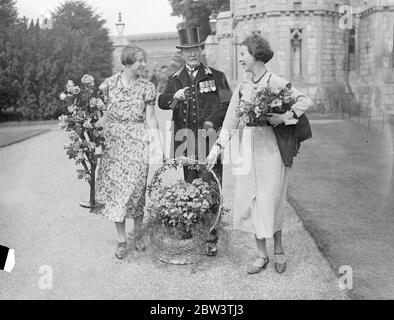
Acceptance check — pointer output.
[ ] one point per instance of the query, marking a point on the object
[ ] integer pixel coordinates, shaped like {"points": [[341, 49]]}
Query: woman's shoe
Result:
{"points": [[121, 250], [253, 269], [140, 244], [211, 249], [280, 267]]}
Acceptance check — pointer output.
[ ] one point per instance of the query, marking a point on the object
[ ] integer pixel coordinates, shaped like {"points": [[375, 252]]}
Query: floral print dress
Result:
{"points": [[123, 170]]}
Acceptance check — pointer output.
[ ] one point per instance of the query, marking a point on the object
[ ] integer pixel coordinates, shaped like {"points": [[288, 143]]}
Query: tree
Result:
{"points": [[8, 14], [87, 43], [35, 63], [8, 20], [197, 13]]}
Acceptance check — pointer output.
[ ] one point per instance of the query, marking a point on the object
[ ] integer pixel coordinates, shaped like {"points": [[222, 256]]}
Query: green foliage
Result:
{"points": [[197, 12], [35, 62], [84, 122], [8, 14]]}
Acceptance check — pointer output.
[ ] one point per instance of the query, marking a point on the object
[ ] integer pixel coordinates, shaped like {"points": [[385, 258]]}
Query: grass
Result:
{"points": [[10, 137]]}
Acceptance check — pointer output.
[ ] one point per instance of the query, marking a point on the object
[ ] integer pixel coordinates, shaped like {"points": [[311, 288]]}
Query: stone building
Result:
{"points": [[160, 48], [339, 52]]}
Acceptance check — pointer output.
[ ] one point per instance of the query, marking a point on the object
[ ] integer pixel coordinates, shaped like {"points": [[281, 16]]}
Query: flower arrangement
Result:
{"points": [[83, 122], [264, 101], [183, 205]]}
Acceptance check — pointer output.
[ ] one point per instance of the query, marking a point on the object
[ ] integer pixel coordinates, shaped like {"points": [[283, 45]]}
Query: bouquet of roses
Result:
{"points": [[85, 109], [182, 205], [263, 102]]}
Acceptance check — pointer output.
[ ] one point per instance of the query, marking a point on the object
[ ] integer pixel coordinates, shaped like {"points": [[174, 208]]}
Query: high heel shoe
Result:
{"points": [[280, 267], [252, 269]]}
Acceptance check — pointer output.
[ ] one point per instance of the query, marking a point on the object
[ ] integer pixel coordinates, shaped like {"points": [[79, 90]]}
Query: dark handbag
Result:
{"points": [[303, 129], [290, 137]]}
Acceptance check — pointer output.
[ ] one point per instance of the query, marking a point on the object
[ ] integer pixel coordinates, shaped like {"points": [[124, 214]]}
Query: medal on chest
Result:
{"points": [[207, 86]]}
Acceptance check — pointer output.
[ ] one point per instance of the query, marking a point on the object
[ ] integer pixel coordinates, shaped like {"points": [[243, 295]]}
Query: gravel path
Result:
{"points": [[41, 220]]}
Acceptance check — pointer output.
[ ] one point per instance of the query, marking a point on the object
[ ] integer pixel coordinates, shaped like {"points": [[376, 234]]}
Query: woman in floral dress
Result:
{"points": [[129, 123], [260, 193]]}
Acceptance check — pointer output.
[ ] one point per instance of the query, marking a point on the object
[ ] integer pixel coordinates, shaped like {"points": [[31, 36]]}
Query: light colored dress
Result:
{"points": [[260, 192], [123, 170]]}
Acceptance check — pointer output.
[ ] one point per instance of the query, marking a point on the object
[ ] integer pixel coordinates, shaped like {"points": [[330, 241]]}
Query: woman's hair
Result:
{"points": [[259, 48], [129, 53]]}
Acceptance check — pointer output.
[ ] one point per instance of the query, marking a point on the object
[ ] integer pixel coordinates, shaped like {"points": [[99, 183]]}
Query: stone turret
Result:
{"points": [[338, 51]]}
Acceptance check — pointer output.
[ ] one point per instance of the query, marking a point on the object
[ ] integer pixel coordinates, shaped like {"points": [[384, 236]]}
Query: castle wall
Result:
{"points": [[325, 74]]}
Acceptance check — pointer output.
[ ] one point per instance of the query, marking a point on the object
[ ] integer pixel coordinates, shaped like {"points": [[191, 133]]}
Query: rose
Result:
{"points": [[70, 86], [76, 146], [257, 111], [76, 90], [87, 125], [80, 156], [245, 119], [93, 102], [88, 80], [100, 104], [63, 121], [67, 145], [63, 96], [276, 103], [73, 136], [63, 118], [72, 108]]}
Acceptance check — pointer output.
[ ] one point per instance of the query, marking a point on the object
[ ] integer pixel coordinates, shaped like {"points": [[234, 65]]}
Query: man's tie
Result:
{"points": [[193, 72]]}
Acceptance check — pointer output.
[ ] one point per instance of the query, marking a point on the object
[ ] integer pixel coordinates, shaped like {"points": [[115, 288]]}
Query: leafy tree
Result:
{"points": [[8, 14], [197, 13], [84, 45], [35, 63], [8, 19]]}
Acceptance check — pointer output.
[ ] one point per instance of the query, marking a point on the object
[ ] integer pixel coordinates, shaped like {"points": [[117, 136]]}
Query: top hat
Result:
{"points": [[189, 38]]}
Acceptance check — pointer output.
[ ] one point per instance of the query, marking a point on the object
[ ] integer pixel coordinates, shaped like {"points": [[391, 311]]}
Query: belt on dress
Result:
{"points": [[119, 121]]}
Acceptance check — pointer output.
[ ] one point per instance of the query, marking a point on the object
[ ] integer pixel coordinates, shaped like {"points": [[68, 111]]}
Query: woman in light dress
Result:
{"points": [[260, 193], [129, 122]]}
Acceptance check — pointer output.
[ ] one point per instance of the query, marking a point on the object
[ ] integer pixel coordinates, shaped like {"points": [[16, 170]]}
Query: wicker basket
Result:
{"points": [[167, 245]]}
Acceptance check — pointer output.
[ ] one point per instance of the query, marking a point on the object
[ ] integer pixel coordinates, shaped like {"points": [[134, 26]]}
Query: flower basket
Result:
{"points": [[181, 214]]}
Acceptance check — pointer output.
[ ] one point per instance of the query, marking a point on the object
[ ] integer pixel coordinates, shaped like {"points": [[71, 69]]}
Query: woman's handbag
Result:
{"points": [[289, 138]]}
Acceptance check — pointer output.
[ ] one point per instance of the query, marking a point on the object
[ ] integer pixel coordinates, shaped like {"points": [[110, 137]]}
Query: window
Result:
{"points": [[296, 52], [352, 50], [393, 50]]}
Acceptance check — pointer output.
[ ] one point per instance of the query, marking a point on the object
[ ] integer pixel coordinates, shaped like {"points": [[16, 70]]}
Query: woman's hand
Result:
{"points": [[165, 159], [276, 119], [213, 156]]}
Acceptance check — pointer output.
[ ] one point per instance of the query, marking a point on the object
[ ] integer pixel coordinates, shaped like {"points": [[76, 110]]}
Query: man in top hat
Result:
{"points": [[199, 97]]}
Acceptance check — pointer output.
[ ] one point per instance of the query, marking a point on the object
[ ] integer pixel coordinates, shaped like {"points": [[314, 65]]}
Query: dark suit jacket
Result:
{"points": [[193, 113]]}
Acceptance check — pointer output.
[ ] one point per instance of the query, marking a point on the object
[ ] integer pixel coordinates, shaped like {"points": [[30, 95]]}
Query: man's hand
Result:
{"points": [[181, 94], [208, 129]]}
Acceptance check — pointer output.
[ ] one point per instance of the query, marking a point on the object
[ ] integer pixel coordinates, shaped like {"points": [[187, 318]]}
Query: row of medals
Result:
{"points": [[207, 86]]}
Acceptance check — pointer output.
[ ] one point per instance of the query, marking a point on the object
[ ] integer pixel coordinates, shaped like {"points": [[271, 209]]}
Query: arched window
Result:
{"points": [[352, 50], [296, 52]]}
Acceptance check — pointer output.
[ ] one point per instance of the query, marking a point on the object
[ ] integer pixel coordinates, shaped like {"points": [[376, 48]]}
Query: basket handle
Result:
{"points": [[182, 161]]}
